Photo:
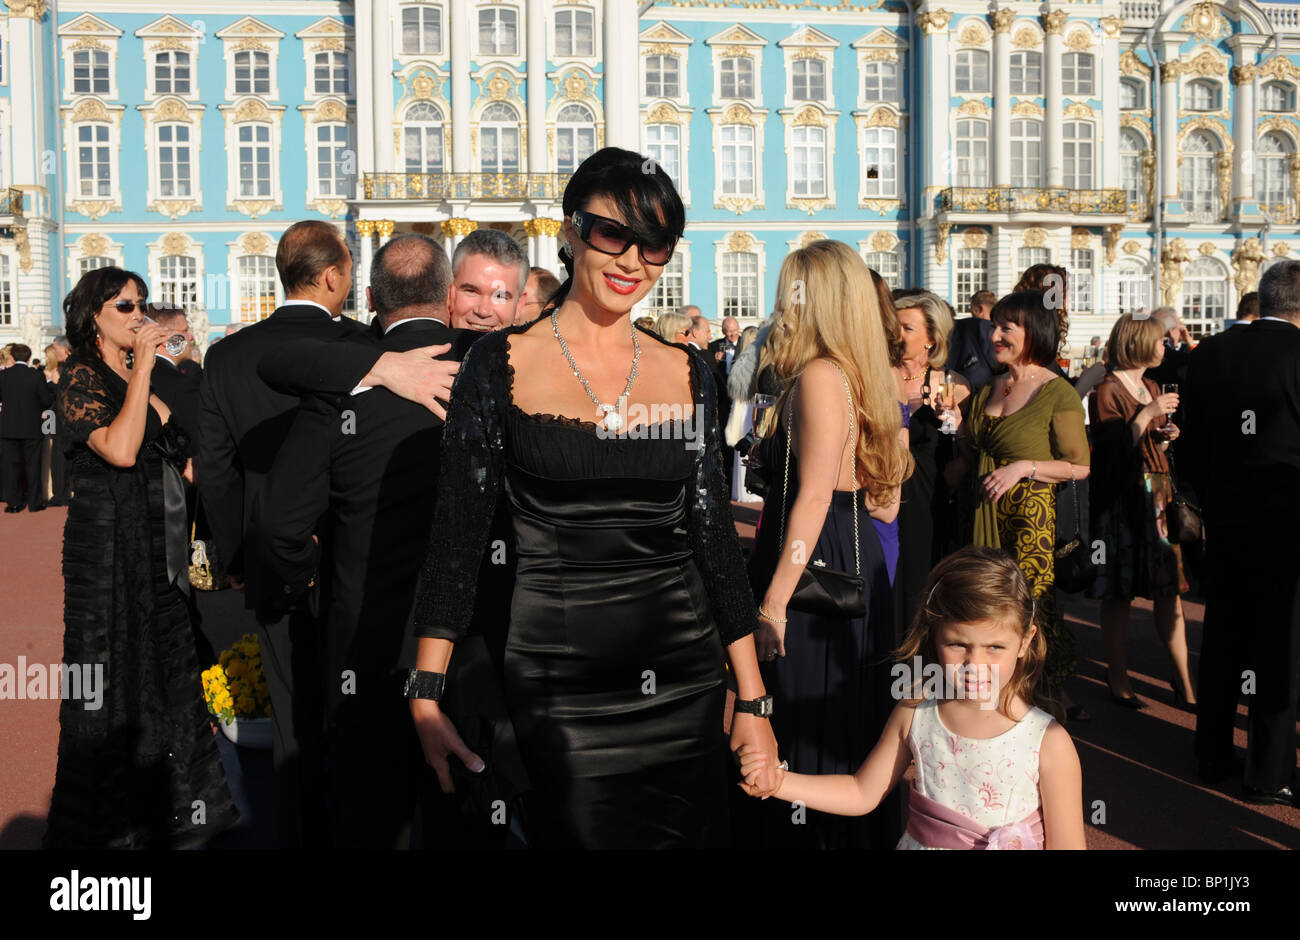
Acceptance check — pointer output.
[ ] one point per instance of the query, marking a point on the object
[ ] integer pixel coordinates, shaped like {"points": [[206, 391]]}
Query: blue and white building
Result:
{"points": [[1149, 146]]}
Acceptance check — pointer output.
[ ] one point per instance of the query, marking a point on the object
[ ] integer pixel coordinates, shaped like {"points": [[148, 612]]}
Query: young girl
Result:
{"points": [[993, 770]]}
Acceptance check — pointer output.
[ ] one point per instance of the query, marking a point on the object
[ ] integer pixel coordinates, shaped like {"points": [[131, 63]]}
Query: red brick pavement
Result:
{"points": [[1137, 764]]}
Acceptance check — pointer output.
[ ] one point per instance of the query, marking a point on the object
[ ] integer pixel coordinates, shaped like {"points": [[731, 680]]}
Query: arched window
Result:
{"points": [[575, 137], [1078, 73], [880, 160], [422, 139], [1277, 96], [1131, 147], [1027, 153], [1205, 297], [575, 32], [1026, 73], [1134, 286], [1272, 171], [178, 281], [421, 30], [252, 73], [499, 139], [255, 160], [1204, 95], [972, 71], [94, 161], [808, 161], [1132, 94], [972, 271], [808, 81], [1078, 152], [881, 81], [885, 263], [972, 152], [663, 76], [1199, 182], [175, 166]]}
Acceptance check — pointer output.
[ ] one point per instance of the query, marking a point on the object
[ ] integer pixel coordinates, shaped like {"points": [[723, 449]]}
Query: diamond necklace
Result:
{"points": [[613, 420]]}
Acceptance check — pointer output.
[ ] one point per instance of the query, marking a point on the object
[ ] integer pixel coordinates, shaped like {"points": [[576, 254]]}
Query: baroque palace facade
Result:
{"points": [[1151, 147]]}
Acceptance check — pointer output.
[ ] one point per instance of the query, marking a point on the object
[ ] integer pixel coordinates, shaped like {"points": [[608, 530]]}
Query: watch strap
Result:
{"points": [[423, 684], [762, 707]]}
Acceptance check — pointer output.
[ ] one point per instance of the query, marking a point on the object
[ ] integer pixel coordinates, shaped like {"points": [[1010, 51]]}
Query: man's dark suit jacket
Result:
{"points": [[242, 423], [24, 396], [970, 352], [179, 391], [1244, 475]]}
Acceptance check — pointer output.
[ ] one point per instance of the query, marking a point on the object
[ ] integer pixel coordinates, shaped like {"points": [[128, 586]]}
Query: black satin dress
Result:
{"points": [[629, 583]]}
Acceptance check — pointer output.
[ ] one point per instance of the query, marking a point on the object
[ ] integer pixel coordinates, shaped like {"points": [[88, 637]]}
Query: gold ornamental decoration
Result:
{"points": [[935, 21], [942, 230], [330, 111], [884, 241], [807, 238], [1003, 20], [253, 208], [1205, 23], [736, 114], [1112, 26], [1035, 238], [1076, 109], [575, 88], [252, 110], [1130, 64], [974, 107], [973, 33], [1080, 238], [422, 87], [664, 114], [1206, 64], [331, 207], [1026, 38], [882, 117], [173, 111], [32, 9], [98, 245], [1172, 258], [91, 208], [1078, 41], [975, 238], [880, 205], [1054, 22], [24, 247], [1225, 180], [1280, 67], [811, 206], [90, 109], [1169, 71], [1245, 262], [384, 227], [1281, 249], [740, 241], [88, 42], [1244, 74], [1205, 249], [737, 204], [365, 228], [256, 243], [458, 227], [1026, 108], [809, 116], [1131, 247], [542, 227]]}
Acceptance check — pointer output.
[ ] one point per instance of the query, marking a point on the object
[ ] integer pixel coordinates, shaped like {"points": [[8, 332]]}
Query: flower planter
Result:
{"points": [[252, 733]]}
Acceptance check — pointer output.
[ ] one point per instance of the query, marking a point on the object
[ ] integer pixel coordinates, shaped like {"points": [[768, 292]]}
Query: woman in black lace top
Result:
{"points": [[140, 768], [630, 594]]}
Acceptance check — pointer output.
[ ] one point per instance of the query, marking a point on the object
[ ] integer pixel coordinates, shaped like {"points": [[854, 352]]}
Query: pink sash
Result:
{"points": [[938, 827]]}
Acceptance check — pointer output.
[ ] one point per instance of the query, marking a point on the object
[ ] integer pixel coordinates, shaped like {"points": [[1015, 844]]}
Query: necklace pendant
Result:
{"points": [[613, 420]]}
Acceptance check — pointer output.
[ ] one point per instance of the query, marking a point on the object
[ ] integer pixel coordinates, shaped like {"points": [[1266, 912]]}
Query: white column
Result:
{"points": [[27, 127], [458, 17], [934, 29], [1168, 130], [1001, 129], [538, 158], [384, 227], [1243, 130], [365, 92], [1108, 146], [1053, 145], [622, 103], [365, 228], [382, 102]]}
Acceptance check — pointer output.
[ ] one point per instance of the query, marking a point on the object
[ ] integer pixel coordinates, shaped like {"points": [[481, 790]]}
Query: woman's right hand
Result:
{"points": [[147, 340], [769, 638], [439, 738], [1165, 404]]}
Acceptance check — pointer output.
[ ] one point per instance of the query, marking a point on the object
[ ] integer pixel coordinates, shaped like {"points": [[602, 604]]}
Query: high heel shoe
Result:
{"points": [[1128, 701], [1180, 699]]}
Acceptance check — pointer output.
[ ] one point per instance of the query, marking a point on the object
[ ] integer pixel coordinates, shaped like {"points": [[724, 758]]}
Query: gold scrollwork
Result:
{"points": [[1054, 22], [974, 107], [942, 231], [1026, 37], [975, 238], [1281, 249], [973, 32], [92, 208], [811, 206], [1205, 22], [1078, 41], [736, 204], [90, 109], [935, 21], [1130, 64], [1131, 247], [254, 208], [252, 109], [365, 228], [1035, 237], [1206, 64], [1112, 26], [256, 243], [542, 227], [172, 208], [883, 117], [1244, 74], [882, 206], [331, 207], [1003, 19], [807, 238], [883, 241], [98, 245], [740, 241], [664, 114]]}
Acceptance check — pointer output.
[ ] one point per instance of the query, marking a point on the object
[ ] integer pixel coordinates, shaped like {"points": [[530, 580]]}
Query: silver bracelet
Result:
{"points": [[768, 617]]}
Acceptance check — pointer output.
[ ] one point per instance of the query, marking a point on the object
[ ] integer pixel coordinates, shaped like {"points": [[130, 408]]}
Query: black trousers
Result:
{"points": [[290, 645], [60, 479], [1251, 647], [20, 471]]}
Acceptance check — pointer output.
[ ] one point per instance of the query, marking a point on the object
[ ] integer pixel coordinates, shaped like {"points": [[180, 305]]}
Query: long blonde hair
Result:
{"points": [[829, 310]]}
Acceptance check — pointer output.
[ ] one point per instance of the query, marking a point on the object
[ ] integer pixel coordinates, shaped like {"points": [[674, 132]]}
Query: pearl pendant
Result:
{"points": [[613, 421]]}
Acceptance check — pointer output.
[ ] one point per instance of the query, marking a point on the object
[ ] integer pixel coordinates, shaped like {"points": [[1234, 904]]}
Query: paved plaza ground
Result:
{"points": [[1138, 764]]}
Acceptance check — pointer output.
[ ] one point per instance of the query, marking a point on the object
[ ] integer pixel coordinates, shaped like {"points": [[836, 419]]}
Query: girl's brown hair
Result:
{"points": [[972, 585], [1134, 342], [1053, 282]]}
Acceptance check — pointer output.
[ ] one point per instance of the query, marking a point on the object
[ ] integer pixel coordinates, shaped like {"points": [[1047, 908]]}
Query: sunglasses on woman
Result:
{"points": [[613, 238], [130, 306]]}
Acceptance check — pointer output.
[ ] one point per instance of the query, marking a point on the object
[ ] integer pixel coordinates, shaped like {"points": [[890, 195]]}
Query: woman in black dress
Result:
{"points": [[629, 596], [130, 771], [926, 518]]}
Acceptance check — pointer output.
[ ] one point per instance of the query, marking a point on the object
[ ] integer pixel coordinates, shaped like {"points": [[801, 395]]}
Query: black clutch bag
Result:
{"points": [[1075, 571], [757, 478], [823, 591]]}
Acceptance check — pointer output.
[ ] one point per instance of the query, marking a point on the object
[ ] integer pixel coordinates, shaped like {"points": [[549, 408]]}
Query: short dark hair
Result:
{"points": [[82, 304], [1248, 306], [306, 249], [1279, 290], [983, 298], [409, 270], [547, 283], [1028, 309], [21, 352]]}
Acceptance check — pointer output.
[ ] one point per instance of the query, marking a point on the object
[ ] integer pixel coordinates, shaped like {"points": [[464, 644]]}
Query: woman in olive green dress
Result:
{"points": [[1027, 429]]}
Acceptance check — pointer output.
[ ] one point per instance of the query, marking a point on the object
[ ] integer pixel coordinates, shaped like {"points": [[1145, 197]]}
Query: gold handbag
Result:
{"points": [[200, 568]]}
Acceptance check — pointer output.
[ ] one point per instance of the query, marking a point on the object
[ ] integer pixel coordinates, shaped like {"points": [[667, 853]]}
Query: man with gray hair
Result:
{"points": [[489, 274], [1242, 398]]}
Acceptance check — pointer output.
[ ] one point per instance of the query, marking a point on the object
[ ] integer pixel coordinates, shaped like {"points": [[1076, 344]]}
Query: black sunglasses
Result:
{"points": [[613, 238], [130, 306]]}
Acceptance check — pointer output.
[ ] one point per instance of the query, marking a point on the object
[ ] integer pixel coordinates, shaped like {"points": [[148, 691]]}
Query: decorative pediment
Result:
{"points": [[1079, 40], [1026, 108], [171, 110], [250, 27], [1130, 64], [974, 107], [1035, 237], [1026, 37], [256, 243], [168, 27], [740, 241], [1206, 64], [662, 32], [327, 28], [809, 37], [664, 113], [973, 32], [89, 25], [736, 36], [880, 37], [1280, 67], [884, 241], [1077, 110]]}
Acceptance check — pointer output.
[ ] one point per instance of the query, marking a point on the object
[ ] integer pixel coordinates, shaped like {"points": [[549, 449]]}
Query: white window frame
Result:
{"points": [[498, 127], [645, 75], [1140, 89], [1130, 165], [1072, 74], [1030, 61], [881, 187], [476, 26], [114, 180], [346, 66], [734, 130], [877, 71], [1287, 90], [964, 165], [1274, 166], [804, 140], [1213, 282], [89, 33], [724, 259], [1196, 203], [8, 290], [820, 63], [92, 56], [971, 272], [254, 59], [735, 61], [77, 256], [661, 300], [573, 128], [1076, 150], [165, 287], [972, 57], [256, 146], [399, 23], [274, 116], [1133, 281], [1083, 281], [348, 143], [269, 276], [892, 268], [251, 32], [440, 125], [1212, 88], [156, 161], [655, 149], [1029, 255], [1023, 142], [151, 73], [574, 9]]}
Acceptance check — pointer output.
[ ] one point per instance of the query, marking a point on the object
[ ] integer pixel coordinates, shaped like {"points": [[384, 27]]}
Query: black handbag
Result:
{"points": [[1182, 516], [823, 591], [757, 475], [1075, 571]]}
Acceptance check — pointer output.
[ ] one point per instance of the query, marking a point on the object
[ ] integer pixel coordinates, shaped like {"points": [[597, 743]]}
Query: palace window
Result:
{"points": [[663, 76], [739, 284], [575, 32], [332, 160], [737, 156], [972, 271], [90, 72], [663, 144], [1277, 96], [669, 293], [885, 263], [252, 73], [1272, 171], [1205, 297], [1078, 153], [1077, 74], [1028, 257], [422, 141], [499, 139], [972, 71], [809, 80], [1131, 148], [171, 73], [89, 263], [737, 77], [94, 161], [1027, 153], [257, 287], [1132, 94], [1134, 286], [498, 31], [254, 157], [575, 137], [881, 82], [972, 152], [6, 293], [421, 30], [1199, 179], [880, 161], [1204, 95], [808, 161], [178, 281], [175, 161], [330, 76], [1081, 280], [1026, 73]]}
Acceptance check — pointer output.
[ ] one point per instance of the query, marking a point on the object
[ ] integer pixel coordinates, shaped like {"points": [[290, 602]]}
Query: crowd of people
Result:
{"points": [[497, 607]]}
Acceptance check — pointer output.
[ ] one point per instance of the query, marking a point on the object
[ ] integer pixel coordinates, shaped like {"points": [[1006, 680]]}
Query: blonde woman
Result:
{"points": [[926, 521], [673, 327], [829, 676]]}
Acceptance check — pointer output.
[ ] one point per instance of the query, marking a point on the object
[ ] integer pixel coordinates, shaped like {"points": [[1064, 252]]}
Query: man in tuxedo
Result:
{"points": [[348, 510], [724, 350], [242, 423], [1242, 436], [178, 388], [541, 287], [24, 397], [970, 349], [489, 274], [60, 481]]}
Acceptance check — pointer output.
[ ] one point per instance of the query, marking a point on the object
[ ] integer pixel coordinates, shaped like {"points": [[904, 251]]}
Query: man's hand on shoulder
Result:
{"points": [[417, 376]]}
